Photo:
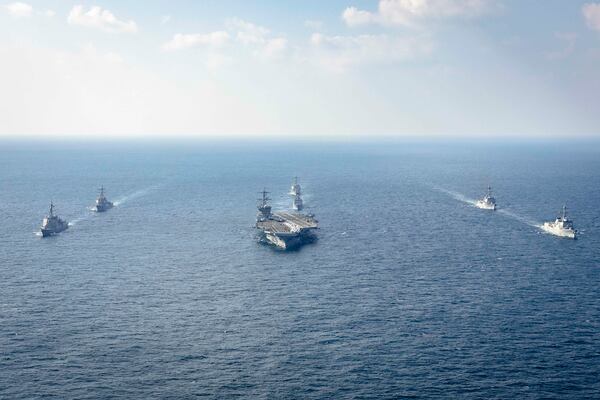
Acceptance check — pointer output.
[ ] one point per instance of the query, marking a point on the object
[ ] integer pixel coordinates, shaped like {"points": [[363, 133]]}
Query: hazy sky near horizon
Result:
{"points": [[314, 68]]}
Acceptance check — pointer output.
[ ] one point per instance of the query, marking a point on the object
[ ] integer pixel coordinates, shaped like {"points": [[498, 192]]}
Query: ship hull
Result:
{"points": [[52, 232], [485, 206], [282, 243], [565, 233], [288, 242], [103, 208]]}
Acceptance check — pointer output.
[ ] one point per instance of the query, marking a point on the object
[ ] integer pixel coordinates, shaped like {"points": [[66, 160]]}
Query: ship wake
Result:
{"points": [[139, 193], [520, 218], [503, 211], [77, 220], [456, 195]]}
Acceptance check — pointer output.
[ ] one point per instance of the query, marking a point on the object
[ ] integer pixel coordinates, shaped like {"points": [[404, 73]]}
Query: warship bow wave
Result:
{"points": [[286, 230]]}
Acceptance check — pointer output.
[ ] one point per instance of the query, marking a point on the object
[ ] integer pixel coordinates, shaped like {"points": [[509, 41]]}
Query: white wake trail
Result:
{"points": [[456, 195], [82, 217], [78, 220], [134, 195], [503, 211], [117, 202], [520, 218]]}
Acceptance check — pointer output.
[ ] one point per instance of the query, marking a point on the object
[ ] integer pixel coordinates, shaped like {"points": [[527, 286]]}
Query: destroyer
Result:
{"points": [[488, 202], [562, 226], [295, 189], [102, 204], [286, 230], [296, 192], [52, 224]]}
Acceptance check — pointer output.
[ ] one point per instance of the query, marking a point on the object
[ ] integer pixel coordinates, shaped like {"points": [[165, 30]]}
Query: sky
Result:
{"points": [[290, 68]]}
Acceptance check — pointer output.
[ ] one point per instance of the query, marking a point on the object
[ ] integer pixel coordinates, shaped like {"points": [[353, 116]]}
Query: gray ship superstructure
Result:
{"points": [[295, 189], [296, 192], [286, 230], [102, 204], [52, 224]]}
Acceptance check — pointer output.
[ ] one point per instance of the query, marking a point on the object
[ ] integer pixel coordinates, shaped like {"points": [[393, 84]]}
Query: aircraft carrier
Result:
{"points": [[285, 230]]}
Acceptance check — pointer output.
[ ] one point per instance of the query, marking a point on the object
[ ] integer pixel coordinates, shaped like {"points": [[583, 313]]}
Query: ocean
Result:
{"points": [[409, 292]]}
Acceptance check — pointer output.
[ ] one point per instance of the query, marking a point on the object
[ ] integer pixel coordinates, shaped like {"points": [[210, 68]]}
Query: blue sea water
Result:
{"points": [[410, 291]]}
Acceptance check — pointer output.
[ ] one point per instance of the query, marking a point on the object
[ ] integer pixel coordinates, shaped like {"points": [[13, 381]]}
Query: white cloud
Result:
{"points": [[100, 18], [339, 53], [88, 93], [243, 34], [19, 10], [355, 17], [409, 12], [247, 32], [50, 13], [183, 41], [257, 38], [591, 13]]}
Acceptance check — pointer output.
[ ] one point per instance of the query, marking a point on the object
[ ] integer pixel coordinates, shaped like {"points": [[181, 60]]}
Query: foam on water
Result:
{"points": [[284, 202], [77, 220], [456, 195], [134, 195], [503, 211], [520, 218]]}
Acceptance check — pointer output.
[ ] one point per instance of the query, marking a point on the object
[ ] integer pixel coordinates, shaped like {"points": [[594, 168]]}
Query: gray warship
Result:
{"points": [[296, 193], [52, 224], [102, 204], [562, 226], [488, 202], [285, 230]]}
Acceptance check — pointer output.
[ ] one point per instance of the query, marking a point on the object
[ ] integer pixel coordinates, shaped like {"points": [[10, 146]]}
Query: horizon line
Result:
{"points": [[386, 138]]}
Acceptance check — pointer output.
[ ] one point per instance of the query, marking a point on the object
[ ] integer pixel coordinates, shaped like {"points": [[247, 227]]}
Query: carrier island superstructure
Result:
{"points": [[286, 230]]}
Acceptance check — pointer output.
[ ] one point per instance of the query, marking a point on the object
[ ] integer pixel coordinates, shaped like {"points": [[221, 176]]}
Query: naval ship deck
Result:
{"points": [[273, 226], [288, 221], [301, 220]]}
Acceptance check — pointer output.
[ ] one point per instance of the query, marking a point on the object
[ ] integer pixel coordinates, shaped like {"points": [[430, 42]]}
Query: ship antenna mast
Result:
{"points": [[265, 198], [51, 209]]}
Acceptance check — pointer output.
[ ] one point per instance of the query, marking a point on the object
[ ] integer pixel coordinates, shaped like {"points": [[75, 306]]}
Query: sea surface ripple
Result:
{"points": [[409, 292]]}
